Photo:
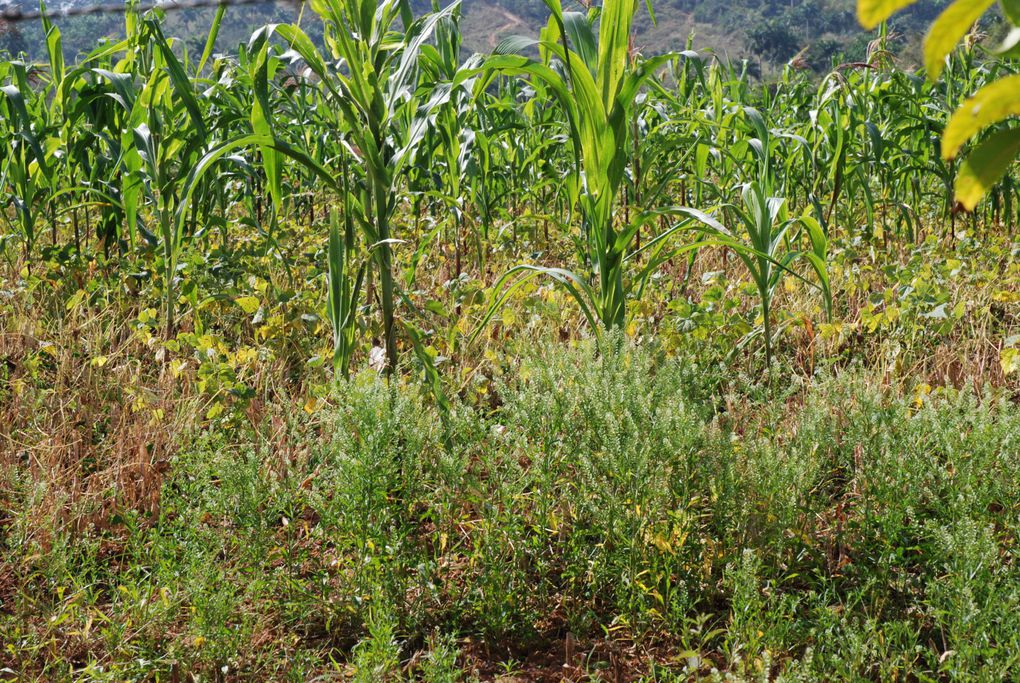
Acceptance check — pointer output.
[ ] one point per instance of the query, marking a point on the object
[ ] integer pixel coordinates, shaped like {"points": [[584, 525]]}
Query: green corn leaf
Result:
{"points": [[614, 46], [421, 32], [432, 377], [334, 298], [261, 123], [518, 276], [210, 41], [183, 86], [582, 38], [209, 160], [54, 48], [514, 45]]}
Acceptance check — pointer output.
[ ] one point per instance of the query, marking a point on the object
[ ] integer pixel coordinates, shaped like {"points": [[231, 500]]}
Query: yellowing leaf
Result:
{"points": [[989, 105], [99, 361], [245, 354], [871, 13], [1009, 358], [985, 166], [948, 29], [75, 300], [249, 304], [662, 543], [919, 394]]}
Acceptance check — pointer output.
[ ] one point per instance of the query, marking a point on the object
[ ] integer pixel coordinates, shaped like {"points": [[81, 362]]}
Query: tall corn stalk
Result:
{"points": [[370, 82], [596, 83]]}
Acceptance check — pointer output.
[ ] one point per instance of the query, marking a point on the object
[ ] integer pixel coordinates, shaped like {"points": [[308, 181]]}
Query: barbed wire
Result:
{"points": [[12, 14]]}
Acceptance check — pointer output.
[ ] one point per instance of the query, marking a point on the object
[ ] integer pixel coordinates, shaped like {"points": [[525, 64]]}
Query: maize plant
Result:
{"points": [[583, 160], [989, 161], [765, 246], [374, 100], [596, 84]]}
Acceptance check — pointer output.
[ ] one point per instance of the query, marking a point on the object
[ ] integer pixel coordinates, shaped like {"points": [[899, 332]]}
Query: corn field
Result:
{"points": [[139, 157], [348, 236]]}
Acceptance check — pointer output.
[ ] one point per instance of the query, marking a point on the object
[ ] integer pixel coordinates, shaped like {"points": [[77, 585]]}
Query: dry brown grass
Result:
{"points": [[88, 427]]}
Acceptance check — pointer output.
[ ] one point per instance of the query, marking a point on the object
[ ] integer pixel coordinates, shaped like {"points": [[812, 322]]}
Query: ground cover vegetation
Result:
{"points": [[342, 355]]}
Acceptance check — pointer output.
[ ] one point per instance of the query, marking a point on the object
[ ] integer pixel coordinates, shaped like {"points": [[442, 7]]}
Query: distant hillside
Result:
{"points": [[768, 32]]}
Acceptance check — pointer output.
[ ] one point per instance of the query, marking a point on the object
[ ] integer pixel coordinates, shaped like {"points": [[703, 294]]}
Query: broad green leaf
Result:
{"points": [[946, 31], [432, 376], [989, 105], [514, 45], [582, 38], [183, 85], [871, 13], [1009, 358], [249, 304], [516, 277], [214, 155], [985, 166], [261, 123], [422, 31], [54, 48]]}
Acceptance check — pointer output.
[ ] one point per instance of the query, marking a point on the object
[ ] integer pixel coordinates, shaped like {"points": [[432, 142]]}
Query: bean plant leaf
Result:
{"points": [[948, 29], [991, 104], [1011, 10], [985, 166], [871, 13]]}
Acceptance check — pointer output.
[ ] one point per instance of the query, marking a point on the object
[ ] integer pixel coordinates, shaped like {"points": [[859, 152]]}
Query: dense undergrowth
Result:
{"points": [[616, 515], [215, 505]]}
